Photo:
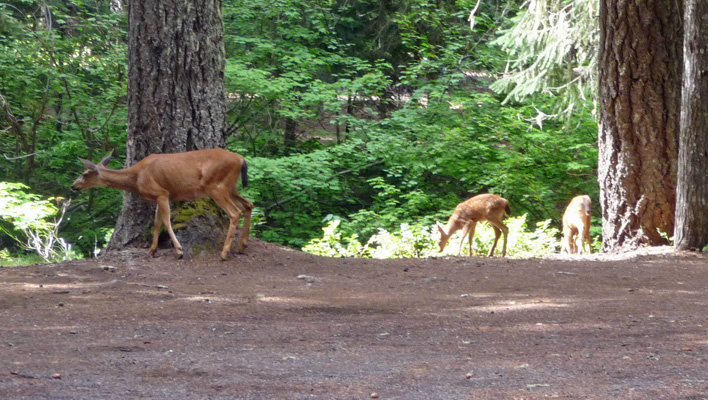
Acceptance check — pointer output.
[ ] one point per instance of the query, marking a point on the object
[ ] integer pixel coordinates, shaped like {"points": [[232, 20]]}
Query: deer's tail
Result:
{"points": [[244, 173]]}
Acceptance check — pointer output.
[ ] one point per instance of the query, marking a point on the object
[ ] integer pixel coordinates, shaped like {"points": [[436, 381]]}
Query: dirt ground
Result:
{"points": [[279, 324]]}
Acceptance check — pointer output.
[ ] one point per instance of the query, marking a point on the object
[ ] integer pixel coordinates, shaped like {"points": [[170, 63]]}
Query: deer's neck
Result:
{"points": [[454, 224], [123, 179]]}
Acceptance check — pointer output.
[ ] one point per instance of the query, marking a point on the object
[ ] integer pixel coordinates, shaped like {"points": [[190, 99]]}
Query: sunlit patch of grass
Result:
{"points": [[17, 260]]}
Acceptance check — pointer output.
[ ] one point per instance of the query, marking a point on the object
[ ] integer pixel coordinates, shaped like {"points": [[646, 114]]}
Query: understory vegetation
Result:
{"points": [[371, 120], [421, 241]]}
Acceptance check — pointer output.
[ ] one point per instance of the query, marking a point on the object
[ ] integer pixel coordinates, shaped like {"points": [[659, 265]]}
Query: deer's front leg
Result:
{"points": [[466, 231], [163, 213]]}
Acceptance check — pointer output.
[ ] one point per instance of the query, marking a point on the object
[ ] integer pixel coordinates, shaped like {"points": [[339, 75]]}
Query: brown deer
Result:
{"points": [[576, 225], [181, 176], [483, 207]]}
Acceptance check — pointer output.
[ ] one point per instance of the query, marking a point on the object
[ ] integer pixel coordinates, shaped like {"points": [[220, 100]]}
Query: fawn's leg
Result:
{"points": [[465, 231], [497, 233], [473, 226], [499, 228]]}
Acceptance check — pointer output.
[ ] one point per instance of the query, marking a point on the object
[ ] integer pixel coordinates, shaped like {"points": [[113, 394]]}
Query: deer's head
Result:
{"points": [[91, 177], [444, 236]]}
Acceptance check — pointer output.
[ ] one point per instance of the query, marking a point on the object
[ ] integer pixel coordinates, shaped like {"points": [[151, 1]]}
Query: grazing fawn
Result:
{"points": [[181, 176], [483, 207], [576, 225]]}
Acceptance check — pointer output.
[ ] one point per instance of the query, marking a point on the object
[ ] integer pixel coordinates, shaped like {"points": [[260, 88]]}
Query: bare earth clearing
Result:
{"points": [[279, 324]]}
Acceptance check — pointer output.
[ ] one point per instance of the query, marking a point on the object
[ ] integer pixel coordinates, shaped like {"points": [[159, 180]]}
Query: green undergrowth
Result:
{"points": [[415, 240]]}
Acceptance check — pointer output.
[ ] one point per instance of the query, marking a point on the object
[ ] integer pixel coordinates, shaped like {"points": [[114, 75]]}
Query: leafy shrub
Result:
{"points": [[32, 222], [333, 245], [421, 241]]}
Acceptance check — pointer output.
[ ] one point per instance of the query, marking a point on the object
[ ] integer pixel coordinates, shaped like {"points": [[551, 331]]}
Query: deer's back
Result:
{"points": [[482, 207], [187, 176], [578, 211]]}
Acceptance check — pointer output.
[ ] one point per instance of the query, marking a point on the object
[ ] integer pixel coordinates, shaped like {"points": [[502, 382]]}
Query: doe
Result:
{"points": [[576, 225], [180, 177], [483, 207]]}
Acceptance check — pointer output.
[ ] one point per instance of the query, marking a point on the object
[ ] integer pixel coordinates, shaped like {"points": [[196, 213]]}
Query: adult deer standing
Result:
{"points": [[576, 225], [483, 207], [181, 176]]}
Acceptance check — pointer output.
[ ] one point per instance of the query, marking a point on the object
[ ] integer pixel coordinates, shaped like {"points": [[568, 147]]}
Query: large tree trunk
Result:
{"points": [[176, 100], [640, 79], [692, 192]]}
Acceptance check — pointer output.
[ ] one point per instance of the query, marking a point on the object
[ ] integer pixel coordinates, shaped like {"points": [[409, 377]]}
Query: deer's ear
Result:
{"points": [[440, 228], [88, 164], [106, 159]]}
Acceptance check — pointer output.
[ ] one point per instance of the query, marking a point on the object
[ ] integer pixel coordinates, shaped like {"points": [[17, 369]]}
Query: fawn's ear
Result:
{"points": [[441, 228]]}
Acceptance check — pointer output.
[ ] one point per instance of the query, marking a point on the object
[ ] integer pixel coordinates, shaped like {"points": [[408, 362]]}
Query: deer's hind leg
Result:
{"points": [[224, 201], [497, 233], [155, 233], [586, 236], [573, 234], [247, 208], [499, 228]]}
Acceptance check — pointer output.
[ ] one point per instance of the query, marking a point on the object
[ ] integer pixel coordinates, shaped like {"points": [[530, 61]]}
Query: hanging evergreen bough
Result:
{"points": [[552, 50]]}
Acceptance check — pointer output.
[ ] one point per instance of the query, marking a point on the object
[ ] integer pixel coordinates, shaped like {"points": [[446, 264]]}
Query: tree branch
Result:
{"points": [[14, 125]]}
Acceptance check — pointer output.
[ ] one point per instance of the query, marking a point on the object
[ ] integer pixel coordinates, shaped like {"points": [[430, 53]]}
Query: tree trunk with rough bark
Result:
{"points": [[176, 99], [692, 192], [640, 64]]}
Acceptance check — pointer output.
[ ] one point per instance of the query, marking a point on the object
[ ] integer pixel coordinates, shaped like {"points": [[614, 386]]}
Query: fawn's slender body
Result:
{"points": [[576, 225], [483, 207], [180, 176]]}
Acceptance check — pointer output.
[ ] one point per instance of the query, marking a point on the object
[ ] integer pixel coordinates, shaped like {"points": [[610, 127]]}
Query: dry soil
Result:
{"points": [[279, 324]]}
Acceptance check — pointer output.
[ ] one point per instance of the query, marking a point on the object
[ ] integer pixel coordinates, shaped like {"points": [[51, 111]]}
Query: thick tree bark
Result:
{"points": [[692, 192], [176, 99], [640, 79]]}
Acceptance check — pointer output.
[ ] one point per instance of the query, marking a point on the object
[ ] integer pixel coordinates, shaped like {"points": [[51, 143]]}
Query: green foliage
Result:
{"points": [[31, 222], [376, 112], [63, 80], [421, 241], [596, 234], [8, 259], [332, 244], [411, 133], [410, 241], [552, 50], [421, 162], [24, 210]]}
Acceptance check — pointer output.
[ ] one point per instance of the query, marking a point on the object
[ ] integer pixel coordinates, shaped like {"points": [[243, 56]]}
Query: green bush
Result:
{"points": [[33, 223], [333, 245], [421, 241]]}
